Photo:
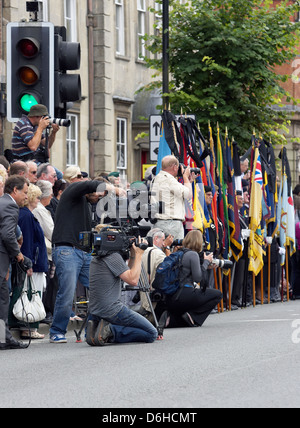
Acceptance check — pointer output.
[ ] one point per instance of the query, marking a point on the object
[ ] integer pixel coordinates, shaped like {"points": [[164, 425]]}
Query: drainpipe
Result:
{"points": [[2, 82], [91, 137]]}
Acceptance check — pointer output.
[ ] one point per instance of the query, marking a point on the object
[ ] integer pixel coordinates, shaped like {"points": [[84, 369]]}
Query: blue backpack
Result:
{"points": [[167, 277]]}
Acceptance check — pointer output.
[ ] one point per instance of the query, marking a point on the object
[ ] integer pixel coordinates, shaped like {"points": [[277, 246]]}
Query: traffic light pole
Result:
{"points": [[166, 89]]}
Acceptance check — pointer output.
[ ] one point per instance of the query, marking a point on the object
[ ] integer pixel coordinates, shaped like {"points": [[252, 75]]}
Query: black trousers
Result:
{"points": [[197, 302], [4, 306]]}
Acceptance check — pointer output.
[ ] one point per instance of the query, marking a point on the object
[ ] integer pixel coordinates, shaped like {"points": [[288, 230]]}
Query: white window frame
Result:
{"points": [[120, 27], [71, 21], [122, 143], [45, 10], [141, 27], [72, 143]]}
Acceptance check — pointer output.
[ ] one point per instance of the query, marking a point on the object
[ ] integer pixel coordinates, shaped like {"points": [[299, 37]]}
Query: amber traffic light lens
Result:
{"points": [[29, 75]]}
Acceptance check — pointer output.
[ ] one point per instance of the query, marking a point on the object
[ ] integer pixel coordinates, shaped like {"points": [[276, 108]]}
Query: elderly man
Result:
{"points": [[32, 172], [46, 172], [18, 168], [167, 189], [28, 142], [15, 195], [152, 258]]}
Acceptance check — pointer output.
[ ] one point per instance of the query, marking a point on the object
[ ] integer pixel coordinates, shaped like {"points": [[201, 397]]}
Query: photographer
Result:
{"points": [[190, 305], [28, 142], [152, 258], [72, 260], [112, 321], [167, 189]]}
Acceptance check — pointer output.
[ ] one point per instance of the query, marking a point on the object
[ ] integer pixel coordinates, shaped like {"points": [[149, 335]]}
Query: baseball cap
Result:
{"points": [[38, 110], [72, 172]]}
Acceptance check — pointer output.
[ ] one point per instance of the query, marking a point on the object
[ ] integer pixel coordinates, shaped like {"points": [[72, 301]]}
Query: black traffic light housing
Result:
{"points": [[30, 67], [67, 86]]}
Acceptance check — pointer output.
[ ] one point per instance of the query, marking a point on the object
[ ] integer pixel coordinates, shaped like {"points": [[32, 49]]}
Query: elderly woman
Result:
{"points": [[34, 247], [43, 215], [3, 178]]}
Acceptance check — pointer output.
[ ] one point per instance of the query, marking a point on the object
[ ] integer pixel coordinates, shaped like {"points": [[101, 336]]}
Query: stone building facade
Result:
{"points": [[107, 119]]}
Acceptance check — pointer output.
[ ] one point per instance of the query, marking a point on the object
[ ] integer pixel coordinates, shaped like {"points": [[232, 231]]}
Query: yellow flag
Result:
{"points": [[256, 240]]}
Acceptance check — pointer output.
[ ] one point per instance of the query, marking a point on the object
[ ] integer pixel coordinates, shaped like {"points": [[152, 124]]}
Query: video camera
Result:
{"points": [[109, 240]]}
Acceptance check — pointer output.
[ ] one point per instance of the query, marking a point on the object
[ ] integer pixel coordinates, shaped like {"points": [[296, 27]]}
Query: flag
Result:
{"points": [[256, 240], [164, 149], [285, 209], [236, 246], [222, 200]]}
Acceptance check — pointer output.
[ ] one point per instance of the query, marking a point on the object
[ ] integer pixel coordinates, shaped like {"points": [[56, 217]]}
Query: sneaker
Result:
{"points": [[58, 338], [90, 332], [102, 334]]}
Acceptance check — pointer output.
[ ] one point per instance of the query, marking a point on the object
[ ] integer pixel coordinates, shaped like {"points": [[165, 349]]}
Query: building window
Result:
{"points": [[71, 20], [120, 27], [72, 140], [141, 7], [121, 145]]}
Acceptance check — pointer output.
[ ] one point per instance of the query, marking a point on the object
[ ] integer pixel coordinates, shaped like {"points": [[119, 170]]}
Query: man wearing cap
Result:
{"points": [[28, 140]]}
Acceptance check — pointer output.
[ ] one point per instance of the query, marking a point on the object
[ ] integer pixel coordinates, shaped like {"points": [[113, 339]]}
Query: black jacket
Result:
{"points": [[73, 214]]}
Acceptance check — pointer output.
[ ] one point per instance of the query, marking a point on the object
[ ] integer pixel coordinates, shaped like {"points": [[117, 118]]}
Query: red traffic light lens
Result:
{"points": [[29, 75], [29, 47]]}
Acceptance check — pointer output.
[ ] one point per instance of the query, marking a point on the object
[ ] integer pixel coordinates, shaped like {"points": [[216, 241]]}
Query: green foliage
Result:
{"points": [[223, 59]]}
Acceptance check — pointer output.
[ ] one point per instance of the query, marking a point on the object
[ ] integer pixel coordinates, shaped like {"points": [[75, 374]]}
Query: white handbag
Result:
{"points": [[29, 311]]}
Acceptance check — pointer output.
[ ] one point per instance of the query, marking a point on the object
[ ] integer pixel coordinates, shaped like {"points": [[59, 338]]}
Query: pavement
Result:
{"points": [[248, 358]]}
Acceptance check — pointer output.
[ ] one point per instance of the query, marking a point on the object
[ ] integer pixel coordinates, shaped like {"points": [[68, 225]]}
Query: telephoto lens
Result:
{"points": [[60, 122]]}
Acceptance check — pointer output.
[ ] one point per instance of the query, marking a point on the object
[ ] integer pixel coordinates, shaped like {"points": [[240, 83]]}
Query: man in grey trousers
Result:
{"points": [[15, 195]]}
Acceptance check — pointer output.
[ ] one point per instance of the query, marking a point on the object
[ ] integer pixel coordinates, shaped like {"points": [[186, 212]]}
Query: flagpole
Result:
{"points": [[269, 274], [287, 275], [166, 23]]}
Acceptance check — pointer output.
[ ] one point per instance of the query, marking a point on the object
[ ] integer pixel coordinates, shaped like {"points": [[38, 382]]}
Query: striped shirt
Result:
{"points": [[23, 133]]}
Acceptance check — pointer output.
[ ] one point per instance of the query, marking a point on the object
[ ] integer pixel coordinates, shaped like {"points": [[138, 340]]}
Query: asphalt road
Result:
{"points": [[245, 358]]}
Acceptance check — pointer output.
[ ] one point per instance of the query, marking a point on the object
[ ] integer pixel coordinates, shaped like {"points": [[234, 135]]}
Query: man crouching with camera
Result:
{"points": [[112, 321]]}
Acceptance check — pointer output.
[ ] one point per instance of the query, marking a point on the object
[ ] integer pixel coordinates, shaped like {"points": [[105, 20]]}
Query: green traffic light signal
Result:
{"points": [[27, 101]]}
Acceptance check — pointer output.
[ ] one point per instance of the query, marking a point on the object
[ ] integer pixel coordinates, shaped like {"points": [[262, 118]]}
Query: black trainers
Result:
{"points": [[90, 332], [102, 334]]}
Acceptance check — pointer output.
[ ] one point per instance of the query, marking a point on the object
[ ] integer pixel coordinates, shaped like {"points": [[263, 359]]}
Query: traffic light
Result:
{"points": [[67, 86], [30, 67]]}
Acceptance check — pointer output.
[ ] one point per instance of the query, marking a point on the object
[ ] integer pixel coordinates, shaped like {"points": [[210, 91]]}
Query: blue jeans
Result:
{"points": [[129, 326], [71, 265]]}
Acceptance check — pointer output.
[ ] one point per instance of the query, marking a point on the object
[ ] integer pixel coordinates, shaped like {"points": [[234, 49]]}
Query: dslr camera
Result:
{"points": [[196, 171], [60, 122], [109, 240], [223, 264]]}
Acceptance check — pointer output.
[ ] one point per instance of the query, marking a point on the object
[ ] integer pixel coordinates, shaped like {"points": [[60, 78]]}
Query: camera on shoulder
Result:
{"points": [[109, 240]]}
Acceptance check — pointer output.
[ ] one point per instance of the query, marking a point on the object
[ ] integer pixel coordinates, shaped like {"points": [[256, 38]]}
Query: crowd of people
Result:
{"points": [[42, 214]]}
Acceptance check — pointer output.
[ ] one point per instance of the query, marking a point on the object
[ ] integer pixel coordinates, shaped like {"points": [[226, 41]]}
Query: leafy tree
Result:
{"points": [[224, 58]]}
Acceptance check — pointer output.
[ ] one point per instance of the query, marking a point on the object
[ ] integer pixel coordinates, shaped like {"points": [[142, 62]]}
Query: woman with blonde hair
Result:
{"points": [[193, 302], [34, 248]]}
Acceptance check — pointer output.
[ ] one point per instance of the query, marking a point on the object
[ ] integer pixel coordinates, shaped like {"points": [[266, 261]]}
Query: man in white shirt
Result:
{"points": [[167, 189], [152, 258]]}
